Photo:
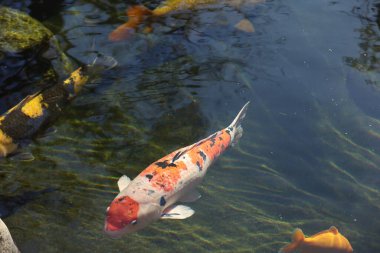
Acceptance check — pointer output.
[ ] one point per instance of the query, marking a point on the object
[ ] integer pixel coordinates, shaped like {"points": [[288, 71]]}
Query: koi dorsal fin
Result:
{"points": [[334, 230]]}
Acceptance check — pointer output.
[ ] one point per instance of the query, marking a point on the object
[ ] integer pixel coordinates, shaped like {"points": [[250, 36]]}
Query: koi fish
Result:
{"points": [[35, 111], [327, 241], [153, 194], [139, 13]]}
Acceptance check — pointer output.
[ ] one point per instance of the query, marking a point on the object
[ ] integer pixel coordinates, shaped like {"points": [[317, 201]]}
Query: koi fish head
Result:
{"points": [[121, 214], [125, 215]]}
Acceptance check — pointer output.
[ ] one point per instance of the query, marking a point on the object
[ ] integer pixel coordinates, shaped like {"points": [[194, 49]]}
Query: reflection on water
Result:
{"points": [[368, 13], [308, 158], [367, 60]]}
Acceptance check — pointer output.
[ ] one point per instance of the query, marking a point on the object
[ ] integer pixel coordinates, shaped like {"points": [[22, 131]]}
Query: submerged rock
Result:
{"points": [[6, 242], [30, 57], [20, 32]]}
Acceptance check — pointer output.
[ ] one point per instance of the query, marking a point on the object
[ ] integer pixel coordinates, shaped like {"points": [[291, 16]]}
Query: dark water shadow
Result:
{"points": [[10, 204]]}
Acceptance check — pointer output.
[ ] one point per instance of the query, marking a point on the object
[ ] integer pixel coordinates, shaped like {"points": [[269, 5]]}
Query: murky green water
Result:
{"points": [[309, 157]]}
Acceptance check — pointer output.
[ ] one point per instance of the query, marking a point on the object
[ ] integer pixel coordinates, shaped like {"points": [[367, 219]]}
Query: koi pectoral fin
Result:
{"points": [[245, 25], [191, 196], [122, 32], [177, 212], [123, 182], [148, 29], [6, 149]]}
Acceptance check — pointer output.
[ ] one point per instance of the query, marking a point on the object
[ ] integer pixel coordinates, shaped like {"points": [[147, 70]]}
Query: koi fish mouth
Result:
{"points": [[111, 227], [113, 224], [112, 230]]}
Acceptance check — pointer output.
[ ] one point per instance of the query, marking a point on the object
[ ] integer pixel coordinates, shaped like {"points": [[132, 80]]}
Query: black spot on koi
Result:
{"points": [[177, 156], [162, 201], [202, 155], [212, 139], [165, 164], [121, 199], [199, 166]]}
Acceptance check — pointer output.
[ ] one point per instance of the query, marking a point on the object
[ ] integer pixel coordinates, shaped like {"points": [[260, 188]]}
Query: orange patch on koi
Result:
{"points": [[121, 212], [165, 178], [194, 156]]}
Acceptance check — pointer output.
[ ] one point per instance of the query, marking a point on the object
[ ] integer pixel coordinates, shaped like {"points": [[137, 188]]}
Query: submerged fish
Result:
{"points": [[137, 14], [153, 194], [35, 111], [327, 241]]}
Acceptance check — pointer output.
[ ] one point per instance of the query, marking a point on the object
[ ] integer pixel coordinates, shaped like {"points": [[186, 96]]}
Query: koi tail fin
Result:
{"points": [[297, 239], [136, 15], [235, 127], [100, 63]]}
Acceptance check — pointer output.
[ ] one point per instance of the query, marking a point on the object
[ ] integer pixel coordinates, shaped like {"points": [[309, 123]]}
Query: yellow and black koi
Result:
{"points": [[27, 117]]}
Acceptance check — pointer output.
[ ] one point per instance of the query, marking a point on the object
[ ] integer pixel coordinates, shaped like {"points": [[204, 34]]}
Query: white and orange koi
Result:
{"points": [[327, 241], [154, 193]]}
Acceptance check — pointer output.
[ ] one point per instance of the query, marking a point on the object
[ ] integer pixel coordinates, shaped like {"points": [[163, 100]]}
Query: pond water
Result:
{"points": [[309, 156]]}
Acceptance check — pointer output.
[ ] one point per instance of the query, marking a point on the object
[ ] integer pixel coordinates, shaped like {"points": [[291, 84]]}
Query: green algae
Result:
{"points": [[20, 32], [31, 57]]}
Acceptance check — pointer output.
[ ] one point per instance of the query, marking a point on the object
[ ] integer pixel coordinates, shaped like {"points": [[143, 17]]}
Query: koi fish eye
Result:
{"points": [[134, 222]]}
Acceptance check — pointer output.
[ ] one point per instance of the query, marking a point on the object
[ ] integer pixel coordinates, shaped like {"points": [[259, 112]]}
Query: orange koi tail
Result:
{"points": [[235, 127], [136, 15], [297, 239]]}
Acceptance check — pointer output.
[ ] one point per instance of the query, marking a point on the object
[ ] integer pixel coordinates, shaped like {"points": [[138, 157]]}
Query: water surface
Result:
{"points": [[309, 156]]}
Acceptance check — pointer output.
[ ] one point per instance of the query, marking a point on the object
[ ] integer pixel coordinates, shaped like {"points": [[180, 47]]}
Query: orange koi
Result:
{"points": [[153, 194], [138, 14], [327, 241]]}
